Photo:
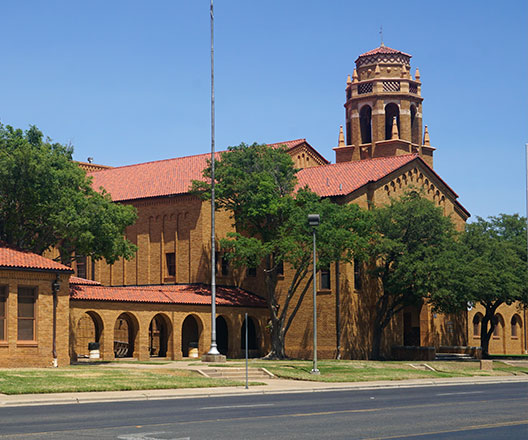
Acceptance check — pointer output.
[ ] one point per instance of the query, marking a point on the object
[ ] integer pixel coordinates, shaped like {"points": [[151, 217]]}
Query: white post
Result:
{"points": [[247, 352]]}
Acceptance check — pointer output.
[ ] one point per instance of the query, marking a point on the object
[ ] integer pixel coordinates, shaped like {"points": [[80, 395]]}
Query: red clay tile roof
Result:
{"points": [[151, 179], [340, 179], [159, 178], [17, 259], [168, 294], [382, 50], [83, 281], [289, 144], [343, 178]]}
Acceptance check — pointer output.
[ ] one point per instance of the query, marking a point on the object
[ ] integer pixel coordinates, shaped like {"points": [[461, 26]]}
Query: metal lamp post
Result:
{"points": [[55, 286], [313, 221]]}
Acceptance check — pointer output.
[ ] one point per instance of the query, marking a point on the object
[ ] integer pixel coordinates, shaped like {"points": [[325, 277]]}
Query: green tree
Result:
{"points": [[493, 269], [411, 258], [47, 201], [256, 184]]}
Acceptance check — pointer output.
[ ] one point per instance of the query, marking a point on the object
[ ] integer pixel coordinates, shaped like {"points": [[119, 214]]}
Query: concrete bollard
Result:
{"points": [[486, 365]]}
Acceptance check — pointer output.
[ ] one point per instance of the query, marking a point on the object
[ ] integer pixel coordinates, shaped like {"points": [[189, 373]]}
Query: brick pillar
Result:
{"points": [[107, 346], [141, 344], [378, 121], [405, 121]]}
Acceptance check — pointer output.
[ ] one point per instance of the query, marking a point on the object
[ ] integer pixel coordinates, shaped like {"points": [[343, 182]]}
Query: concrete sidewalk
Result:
{"points": [[273, 386]]}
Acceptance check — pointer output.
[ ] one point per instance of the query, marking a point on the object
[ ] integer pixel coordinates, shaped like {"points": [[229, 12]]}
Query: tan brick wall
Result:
{"points": [[141, 315], [181, 225], [38, 353], [505, 341]]}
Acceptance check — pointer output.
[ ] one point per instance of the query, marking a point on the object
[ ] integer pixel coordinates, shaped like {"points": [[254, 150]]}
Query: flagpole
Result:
{"points": [[526, 212], [213, 350]]}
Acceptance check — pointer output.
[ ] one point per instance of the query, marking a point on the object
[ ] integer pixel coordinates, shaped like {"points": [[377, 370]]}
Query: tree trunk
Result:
{"points": [[484, 337], [485, 334], [277, 343], [376, 341], [277, 332]]}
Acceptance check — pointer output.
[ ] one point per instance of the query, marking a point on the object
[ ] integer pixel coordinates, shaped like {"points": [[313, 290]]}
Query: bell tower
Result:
{"points": [[383, 109]]}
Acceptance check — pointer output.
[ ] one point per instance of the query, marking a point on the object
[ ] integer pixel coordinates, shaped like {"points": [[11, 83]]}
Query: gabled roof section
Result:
{"points": [[289, 144], [163, 177], [199, 294], [342, 178], [11, 258], [297, 145]]}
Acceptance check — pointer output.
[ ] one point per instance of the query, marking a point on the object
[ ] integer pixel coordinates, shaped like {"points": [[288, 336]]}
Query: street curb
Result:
{"points": [[95, 397]]}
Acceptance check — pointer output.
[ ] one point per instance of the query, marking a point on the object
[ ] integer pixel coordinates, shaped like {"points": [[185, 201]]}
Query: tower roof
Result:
{"points": [[383, 54]]}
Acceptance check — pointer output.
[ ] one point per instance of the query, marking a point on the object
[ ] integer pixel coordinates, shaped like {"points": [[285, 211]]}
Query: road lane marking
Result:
{"points": [[256, 405], [460, 393], [147, 436], [278, 416], [464, 428]]}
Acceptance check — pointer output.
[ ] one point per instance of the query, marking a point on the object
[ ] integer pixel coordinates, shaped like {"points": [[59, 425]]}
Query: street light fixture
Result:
{"points": [[313, 221]]}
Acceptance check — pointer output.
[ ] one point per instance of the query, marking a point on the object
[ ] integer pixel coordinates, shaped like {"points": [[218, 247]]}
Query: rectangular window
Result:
{"points": [[280, 268], [27, 298], [3, 313], [225, 266], [81, 266], [170, 258], [357, 274], [325, 279]]}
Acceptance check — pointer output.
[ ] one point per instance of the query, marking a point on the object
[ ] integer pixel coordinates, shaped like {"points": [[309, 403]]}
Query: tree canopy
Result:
{"points": [[47, 201], [493, 267], [411, 257], [256, 184]]}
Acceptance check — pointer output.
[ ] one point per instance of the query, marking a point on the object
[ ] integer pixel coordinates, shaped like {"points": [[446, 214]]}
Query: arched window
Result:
{"points": [[365, 122], [391, 111], [477, 319], [415, 130], [498, 322], [515, 326]]}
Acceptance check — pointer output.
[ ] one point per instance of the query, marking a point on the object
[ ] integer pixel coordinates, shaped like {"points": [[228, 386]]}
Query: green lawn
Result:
{"points": [[99, 378], [357, 371]]}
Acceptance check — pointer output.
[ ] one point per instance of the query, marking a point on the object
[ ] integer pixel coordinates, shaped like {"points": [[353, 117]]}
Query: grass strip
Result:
{"points": [[358, 371], [81, 378]]}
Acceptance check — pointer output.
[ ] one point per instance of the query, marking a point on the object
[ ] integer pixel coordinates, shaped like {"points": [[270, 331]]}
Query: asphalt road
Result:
{"points": [[497, 411]]}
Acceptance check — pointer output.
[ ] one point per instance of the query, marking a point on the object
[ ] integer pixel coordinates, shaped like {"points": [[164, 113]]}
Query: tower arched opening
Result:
{"points": [[365, 123], [391, 111], [415, 129]]}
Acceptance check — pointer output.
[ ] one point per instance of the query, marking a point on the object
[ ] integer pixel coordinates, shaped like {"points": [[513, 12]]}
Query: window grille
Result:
{"points": [[391, 86], [364, 88]]}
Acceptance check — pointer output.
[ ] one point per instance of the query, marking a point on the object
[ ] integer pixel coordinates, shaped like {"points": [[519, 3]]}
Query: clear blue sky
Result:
{"points": [[128, 81]]}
